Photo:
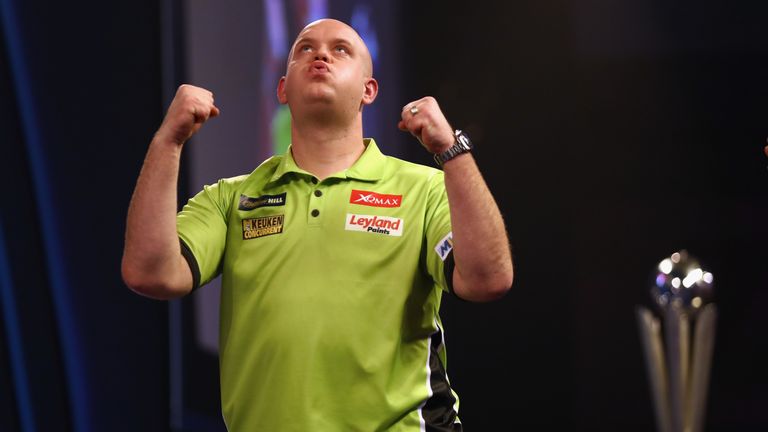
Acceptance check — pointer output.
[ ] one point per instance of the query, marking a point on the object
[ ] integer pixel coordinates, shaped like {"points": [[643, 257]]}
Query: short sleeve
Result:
{"points": [[439, 238], [202, 229]]}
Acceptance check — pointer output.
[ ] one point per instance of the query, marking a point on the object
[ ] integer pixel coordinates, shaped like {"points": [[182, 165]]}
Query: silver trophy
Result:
{"points": [[678, 363]]}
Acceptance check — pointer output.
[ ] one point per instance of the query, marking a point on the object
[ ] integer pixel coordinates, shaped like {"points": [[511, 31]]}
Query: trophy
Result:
{"points": [[678, 342]]}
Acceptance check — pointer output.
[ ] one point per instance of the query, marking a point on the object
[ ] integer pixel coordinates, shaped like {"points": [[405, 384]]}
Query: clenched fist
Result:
{"points": [[191, 107], [424, 120]]}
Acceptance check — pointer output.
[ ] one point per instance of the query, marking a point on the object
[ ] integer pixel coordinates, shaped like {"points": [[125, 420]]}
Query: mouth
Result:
{"points": [[319, 67]]}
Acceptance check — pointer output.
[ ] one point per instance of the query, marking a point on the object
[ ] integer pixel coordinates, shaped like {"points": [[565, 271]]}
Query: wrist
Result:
{"points": [[165, 140], [163, 146], [443, 148], [444, 144], [461, 145]]}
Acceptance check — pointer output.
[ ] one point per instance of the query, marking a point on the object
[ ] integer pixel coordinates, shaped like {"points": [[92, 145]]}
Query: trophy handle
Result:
{"points": [[650, 335], [678, 337], [703, 345]]}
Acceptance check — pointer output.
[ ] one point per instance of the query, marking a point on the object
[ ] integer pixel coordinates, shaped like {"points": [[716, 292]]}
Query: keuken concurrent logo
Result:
{"points": [[263, 226]]}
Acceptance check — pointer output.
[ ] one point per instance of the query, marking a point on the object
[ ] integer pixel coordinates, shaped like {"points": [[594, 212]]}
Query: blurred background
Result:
{"points": [[611, 134]]}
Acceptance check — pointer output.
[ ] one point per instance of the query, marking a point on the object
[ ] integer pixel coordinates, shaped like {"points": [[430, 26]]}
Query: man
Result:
{"points": [[333, 256]]}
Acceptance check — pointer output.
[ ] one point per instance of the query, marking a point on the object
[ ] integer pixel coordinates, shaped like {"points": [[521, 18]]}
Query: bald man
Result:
{"points": [[333, 256]]}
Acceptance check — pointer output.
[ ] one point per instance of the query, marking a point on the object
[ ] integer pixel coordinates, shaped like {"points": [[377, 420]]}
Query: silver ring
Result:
{"points": [[414, 110]]}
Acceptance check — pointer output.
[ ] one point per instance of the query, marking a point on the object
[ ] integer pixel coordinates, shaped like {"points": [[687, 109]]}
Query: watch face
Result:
{"points": [[463, 140]]}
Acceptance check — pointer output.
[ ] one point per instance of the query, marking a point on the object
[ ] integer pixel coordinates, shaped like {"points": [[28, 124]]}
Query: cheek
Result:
{"points": [[290, 84], [355, 79]]}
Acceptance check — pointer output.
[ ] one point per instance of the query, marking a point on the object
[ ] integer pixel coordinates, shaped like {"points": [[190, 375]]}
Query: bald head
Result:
{"points": [[329, 70], [345, 32]]}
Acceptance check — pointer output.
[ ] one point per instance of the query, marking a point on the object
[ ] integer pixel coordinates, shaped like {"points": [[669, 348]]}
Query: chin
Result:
{"points": [[320, 98]]}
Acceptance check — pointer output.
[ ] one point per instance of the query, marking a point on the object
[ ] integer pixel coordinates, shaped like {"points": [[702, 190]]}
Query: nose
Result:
{"points": [[322, 54]]}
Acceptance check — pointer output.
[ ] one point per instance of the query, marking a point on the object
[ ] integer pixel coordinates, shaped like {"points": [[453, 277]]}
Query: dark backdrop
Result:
{"points": [[81, 94], [611, 135]]}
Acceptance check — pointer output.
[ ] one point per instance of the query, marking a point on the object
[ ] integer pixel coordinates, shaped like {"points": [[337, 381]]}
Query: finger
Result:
{"points": [[415, 128], [196, 117], [215, 111], [413, 107], [405, 113], [413, 110], [405, 118], [412, 125], [200, 112], [417, 132], [408, 123]]}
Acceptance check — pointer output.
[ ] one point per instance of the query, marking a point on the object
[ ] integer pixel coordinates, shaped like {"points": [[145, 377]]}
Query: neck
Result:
{"points": [[325, 149]]}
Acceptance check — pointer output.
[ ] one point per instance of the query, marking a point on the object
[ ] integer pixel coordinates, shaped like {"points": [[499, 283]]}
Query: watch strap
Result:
{"points": [[460, 146]]}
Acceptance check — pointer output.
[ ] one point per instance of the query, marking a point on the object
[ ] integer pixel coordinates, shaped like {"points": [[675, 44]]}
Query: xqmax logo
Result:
{"points": [[374, 199]]}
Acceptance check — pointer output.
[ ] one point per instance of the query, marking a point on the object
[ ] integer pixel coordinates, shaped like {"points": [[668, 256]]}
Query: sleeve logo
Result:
{"points": [[445, 246], [375, 224], [263, 226], [374, 199], [250, 203]]}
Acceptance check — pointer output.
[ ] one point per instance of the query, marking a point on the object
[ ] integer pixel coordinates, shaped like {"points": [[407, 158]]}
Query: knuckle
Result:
{"points": [[188, 101], [186, 89]]}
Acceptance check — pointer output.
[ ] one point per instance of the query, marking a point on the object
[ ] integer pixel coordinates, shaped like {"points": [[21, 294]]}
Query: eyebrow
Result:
{"points": [[309, 39]]}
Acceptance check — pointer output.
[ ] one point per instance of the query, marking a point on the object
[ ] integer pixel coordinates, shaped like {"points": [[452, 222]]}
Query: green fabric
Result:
{"points": [[325, 326]]}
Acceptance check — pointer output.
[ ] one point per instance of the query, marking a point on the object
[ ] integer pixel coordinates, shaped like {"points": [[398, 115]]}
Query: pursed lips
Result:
{"points": [[319, 67]]}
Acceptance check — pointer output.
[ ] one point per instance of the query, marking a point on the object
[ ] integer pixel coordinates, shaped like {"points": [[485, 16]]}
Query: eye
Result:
{"points": [[306, 48], [342, 49]]}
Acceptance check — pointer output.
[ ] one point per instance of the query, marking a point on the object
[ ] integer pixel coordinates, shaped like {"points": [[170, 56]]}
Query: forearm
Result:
{"points": [[481, 250], [152, 261]]}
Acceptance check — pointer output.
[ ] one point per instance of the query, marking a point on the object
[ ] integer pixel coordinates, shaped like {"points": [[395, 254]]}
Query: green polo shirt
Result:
{"points": [[330, 294]]}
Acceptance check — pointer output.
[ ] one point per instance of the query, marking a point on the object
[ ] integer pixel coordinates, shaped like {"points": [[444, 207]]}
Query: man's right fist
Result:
{"points": [[191, 107]]}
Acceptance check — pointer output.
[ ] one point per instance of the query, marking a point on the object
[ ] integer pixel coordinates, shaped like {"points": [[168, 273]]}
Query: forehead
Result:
{"points": [[329, 30]]}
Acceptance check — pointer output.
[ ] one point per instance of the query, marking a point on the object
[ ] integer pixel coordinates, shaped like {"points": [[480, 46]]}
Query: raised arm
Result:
{"points": [[481, 250], [152, 262]]}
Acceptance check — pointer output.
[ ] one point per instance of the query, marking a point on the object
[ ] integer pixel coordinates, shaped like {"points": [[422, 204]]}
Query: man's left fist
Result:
{"points": [[424, 120]]}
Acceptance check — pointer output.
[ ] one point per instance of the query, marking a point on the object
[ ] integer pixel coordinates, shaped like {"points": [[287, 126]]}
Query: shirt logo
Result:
{"points": [[249, 203], [375, 224], [445, 246], [263, 226], [374, 199]]}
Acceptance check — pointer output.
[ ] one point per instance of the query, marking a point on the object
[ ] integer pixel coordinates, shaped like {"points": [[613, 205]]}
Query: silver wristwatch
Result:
{"points": [[462, 145]]}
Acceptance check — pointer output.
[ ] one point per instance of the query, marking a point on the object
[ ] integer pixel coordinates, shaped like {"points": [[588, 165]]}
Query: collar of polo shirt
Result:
{"points": [[369, 167]]}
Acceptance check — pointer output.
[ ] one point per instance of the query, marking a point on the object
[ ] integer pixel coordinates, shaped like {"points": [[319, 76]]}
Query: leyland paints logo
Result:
{"points": [[374, 199], [375, 224]]}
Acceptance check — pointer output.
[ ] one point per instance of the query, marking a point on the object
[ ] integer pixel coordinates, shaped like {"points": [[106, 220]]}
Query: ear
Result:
{"points": [[281, 96], [371, 90]]}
